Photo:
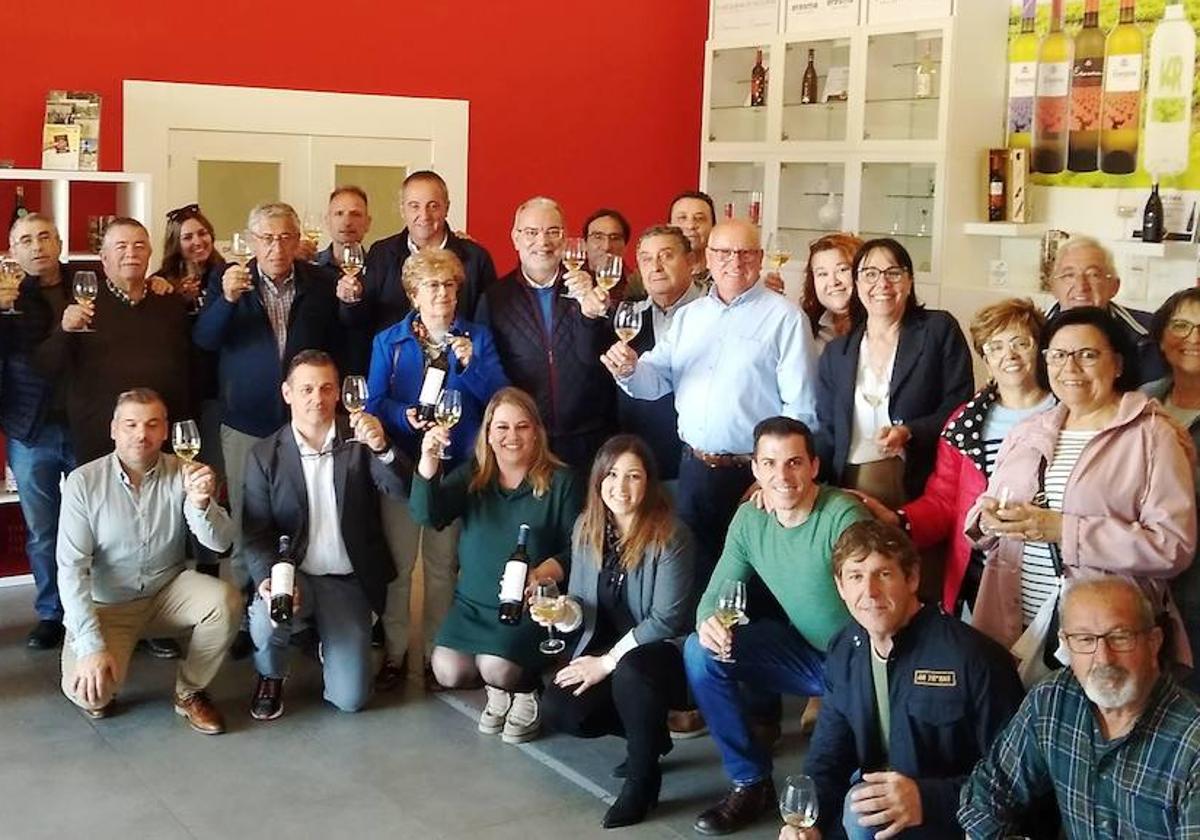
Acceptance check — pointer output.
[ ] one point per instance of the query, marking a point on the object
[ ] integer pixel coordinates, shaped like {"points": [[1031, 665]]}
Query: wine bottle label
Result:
{"points": [[1123, 73], [283, 579], [996, 188], [1022, 79], [512, 583], [431, 388], [1054, 79], [1085, 94]]}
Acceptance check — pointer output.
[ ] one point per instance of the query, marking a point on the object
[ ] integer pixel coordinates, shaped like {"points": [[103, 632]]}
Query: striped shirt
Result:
{"points": [[1144, 784], [277, 297], [1039, 580], [1000, 421]]}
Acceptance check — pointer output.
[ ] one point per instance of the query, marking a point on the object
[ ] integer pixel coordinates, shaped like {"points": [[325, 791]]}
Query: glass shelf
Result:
{"points": [[811, 201], [896, 202], [896, 107], [820, 119], [731, 117], [733, 185]]}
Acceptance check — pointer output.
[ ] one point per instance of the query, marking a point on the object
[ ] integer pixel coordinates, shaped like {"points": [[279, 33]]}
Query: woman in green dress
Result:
{"points": [[513, 479]]}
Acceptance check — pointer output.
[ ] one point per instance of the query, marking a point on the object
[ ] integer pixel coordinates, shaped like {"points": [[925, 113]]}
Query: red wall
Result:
{"points": [[593, 104]]}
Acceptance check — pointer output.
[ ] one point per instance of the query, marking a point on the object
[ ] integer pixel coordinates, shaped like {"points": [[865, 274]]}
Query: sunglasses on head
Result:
{"points": [[182, 213]]}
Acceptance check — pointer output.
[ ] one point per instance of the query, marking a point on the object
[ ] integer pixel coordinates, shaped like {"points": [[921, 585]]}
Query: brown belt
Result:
{"points": [[722, 460]]}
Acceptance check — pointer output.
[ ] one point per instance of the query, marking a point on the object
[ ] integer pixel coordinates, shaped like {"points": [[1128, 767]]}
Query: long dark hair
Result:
{"points": [[858, 312], [174, 266]]}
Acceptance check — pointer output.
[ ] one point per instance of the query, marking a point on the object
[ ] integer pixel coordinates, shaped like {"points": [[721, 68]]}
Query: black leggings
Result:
{"points": [[631, 703]]}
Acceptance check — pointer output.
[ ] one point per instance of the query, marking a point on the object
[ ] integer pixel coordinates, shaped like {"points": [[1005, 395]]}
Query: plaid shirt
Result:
{"points": [[277, 300], [1145, 784]]}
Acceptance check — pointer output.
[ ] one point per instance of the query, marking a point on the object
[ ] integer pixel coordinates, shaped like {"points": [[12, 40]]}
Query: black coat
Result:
{"points": [[29, 396], [276, 504], [931, 377], [655, 421], [951, 691]]}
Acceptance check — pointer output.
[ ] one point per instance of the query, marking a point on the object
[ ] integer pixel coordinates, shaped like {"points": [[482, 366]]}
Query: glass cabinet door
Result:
{"points": [[904, 83], [811, 197], [815, 89], [898, 201], [736, 190], [737, 101]]}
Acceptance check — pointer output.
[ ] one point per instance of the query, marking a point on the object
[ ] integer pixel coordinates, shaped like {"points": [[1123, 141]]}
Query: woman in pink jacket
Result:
{"points": [[1006, 336], [1101, 483]]}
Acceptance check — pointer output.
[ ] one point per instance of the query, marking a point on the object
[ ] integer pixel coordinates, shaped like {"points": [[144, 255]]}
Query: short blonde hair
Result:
{"points": [[1010, 312], [441, 263]]}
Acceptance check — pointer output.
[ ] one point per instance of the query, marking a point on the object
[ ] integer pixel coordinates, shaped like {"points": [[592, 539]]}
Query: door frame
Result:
{"points": [[152, 109]]}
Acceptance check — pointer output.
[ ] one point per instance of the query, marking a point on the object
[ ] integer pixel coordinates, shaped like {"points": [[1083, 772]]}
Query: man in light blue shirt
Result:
{"points": [[732, 358]]}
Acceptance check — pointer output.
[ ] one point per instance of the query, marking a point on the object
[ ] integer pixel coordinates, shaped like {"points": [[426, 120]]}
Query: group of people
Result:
{"points": [[745, 498]]}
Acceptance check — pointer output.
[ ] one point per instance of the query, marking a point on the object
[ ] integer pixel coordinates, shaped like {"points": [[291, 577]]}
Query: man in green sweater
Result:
{"points": [[789, 545]]}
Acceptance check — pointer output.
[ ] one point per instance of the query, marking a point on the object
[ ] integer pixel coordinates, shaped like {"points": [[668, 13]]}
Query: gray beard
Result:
{"points": [[1110, 687]]}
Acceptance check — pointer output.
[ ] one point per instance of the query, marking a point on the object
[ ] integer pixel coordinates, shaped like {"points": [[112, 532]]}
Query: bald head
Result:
{"points": [[734, 257]]}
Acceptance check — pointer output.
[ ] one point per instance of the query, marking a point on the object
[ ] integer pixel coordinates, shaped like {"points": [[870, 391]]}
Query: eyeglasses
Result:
{"points": [[1118, 641], [610, 238], [530, 234], [1182, 327], [892, 275], [842, 272], [742, 255], [995, 347], [1085, 357], [280, 239], [436, 286], [1092, 275], [184, 213]]}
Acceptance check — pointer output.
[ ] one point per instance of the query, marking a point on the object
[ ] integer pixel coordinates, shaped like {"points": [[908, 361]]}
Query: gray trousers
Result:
{"points": [[235, 449]]}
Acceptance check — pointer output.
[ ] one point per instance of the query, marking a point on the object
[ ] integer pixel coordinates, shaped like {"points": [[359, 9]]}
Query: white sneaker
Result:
{"points": [[496, 710], [524, 719]]}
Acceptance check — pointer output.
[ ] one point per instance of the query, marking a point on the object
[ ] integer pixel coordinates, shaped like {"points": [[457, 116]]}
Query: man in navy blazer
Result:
{"points": [[319, 486]]}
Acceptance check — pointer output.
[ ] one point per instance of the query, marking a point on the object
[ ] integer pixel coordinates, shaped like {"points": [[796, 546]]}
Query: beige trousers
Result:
{"points": [[210, 608]]}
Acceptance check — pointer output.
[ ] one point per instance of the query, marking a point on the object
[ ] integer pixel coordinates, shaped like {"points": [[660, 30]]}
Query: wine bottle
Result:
{"points": [[758, 81], [1152, 217], [808, 85], [997, 163], [1169, 94], [20, 211], [431, 387], [1022, 79], [1120, 107], [923, 87], [1087, 75], [283, 583], [512, 583], [1053, 87]]}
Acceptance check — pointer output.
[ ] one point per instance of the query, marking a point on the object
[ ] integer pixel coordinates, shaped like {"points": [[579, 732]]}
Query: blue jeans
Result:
{"points": [[768, 655], [342, 615], [850, 825], [39, 465], [705, 500]]}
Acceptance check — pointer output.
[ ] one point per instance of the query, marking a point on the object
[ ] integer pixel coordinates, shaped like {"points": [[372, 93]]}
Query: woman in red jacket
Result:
{"points": [[1006, 336]]}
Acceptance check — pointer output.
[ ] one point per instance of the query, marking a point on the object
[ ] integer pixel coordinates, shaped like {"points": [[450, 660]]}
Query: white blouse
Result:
{"points": [[871, 407]]}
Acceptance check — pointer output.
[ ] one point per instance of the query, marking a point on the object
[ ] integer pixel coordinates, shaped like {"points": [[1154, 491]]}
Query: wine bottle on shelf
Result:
{"points": [[758, 81], [1121, 104], [1087, 76], [431, 386], [1022, 79], [808, 85], [997, 164], [1169, 94], [1152, 217], [1053, 89], [512, 583], [283, 583], [20, 211], [924, 87]]}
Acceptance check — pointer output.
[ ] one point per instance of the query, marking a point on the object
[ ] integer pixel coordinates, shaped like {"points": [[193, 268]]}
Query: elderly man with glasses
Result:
{"points": [[550, 331], [1084, 275]]}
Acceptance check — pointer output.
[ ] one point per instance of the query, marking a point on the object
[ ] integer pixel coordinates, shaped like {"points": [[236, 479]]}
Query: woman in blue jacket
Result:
{"points": [[431, 336]]}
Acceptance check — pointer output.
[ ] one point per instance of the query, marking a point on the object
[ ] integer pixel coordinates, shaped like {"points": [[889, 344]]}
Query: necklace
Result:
{"points": [[120, 294]]}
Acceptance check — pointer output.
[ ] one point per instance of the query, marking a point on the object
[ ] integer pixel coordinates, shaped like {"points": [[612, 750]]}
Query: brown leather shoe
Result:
{"points": [[200, 712], [684, 724], [742, 805]]}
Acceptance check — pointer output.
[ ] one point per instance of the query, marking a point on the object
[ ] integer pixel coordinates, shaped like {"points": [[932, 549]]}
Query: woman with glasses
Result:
{"points": [[432, 344], [829, 286], [513, 479], [886, 388], [1005, 335], [1101, 482], [632, 601], [1176, 331]]}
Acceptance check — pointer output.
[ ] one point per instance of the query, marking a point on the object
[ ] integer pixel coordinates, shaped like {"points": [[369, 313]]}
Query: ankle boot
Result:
{"points": [[638, 796], [496, 710], [524, 719]]}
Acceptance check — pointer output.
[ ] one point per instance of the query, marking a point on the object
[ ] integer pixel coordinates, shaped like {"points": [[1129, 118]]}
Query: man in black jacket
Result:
{"points": [[913, 699], [549, 328], [318, 486]]}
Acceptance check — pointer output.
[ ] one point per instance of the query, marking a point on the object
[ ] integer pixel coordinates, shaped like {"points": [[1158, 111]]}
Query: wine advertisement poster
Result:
{"points": [[1105, 93]]}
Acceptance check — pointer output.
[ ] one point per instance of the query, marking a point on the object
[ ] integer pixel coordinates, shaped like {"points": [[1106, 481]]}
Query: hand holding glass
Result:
{"points": [[447, 413], [731, 608], [798, 802], [354, 395], [546, 608], [574, 256], [11, 275], [85, 287]]}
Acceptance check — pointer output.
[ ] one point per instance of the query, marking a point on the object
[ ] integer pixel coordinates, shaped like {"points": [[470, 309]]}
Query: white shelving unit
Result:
{"points": [[133, 198]]}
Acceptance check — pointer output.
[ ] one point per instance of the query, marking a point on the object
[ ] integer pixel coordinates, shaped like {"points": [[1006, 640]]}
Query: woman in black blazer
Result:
{"points": [[887, 387], [633, 602]]}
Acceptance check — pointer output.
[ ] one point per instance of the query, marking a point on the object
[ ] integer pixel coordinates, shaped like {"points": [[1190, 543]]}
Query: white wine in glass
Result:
{"points": [[11, 275], [312, 229], [608, 274], [731, 608], [627, 321], [778, 252], [239, 247], [798, 802], [354, 393], [575, 253], [447, 413], [85, 287], [352, 257], [185, 440], [545, 606]]}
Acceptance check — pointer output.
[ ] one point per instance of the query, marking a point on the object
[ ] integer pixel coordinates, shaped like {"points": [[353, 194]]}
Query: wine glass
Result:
{"points": [[312, 229], [85, 287], [627, 320], [352, 258], [11, 275], [731, 608], [608, 273], [447, 413], [574, 256], [545, 607], [779, 251], [354, 395], [192, 274], [798, 802], [185, 440], [239, 247]]}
